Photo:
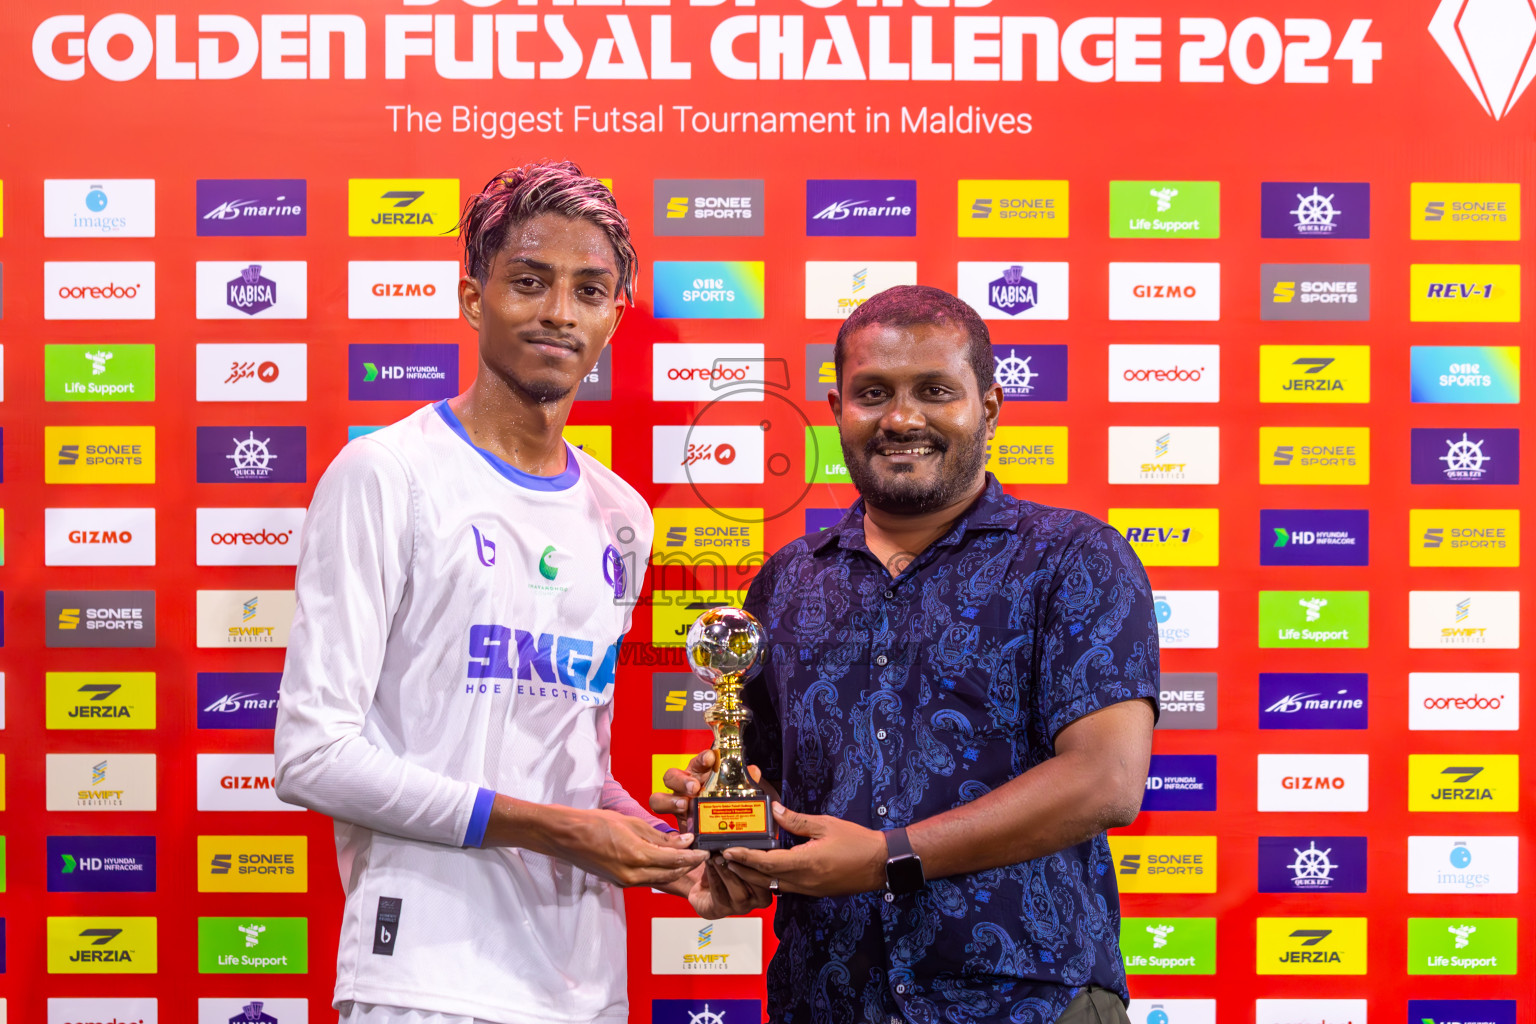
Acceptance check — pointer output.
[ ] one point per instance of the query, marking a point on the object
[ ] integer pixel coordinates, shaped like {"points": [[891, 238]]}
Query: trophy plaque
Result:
{"points": [[724, 646]]}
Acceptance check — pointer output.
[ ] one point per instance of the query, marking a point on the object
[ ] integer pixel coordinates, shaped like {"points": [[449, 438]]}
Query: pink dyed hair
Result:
{"points": [[521, 193]]}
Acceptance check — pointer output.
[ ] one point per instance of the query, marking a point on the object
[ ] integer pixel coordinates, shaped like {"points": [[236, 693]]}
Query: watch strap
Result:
{"points": [[897, 844]]}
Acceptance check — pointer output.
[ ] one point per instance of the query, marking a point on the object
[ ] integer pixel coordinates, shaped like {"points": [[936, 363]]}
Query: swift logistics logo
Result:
{"points": [[98, 208], [1314, 455], [99, 618], [1012, 208], [1180, 782], [1165, 291], [1464, 864], [247, 207], [402, 290], [244, 618], [1315, 291], [1464, 701], [1187, 618], [99, 455], [103, 945], [101, 864], [99, 291], [1314, 618], [99, 700], [707, 289], [100, 782], [1465, 374], [860, 208], [1165, 209], [1164, 864], [1314, 782], [1465, 455], [1464, 293], [1015, 291], [243, 290], [1312, 864], [1445, 211], [1314, 536], [835, 289], [1310, 945], [1464, 618], [1463, 945], [251, 455], [1315, 373], [712, 207], [252, 945], [1489, 46], [1171, 536], [1464, 782], [1314, 700], [1164, 455], [237, 700], [1187, 700], [1315, 209], [253, 372], [1464, 537], [687, 945], [99, 373], [99, 536], [1030, 373], [248, 863], [1029, 455], [1168, 945], [416, 373], [420, 207]]}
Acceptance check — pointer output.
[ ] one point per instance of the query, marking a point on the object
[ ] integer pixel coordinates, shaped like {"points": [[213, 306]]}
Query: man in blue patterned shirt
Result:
{"points": [[957, 699]]}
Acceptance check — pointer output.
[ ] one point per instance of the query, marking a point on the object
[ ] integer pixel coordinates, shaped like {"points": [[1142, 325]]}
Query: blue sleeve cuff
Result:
{"points": [[662, 826], [480, 817]]}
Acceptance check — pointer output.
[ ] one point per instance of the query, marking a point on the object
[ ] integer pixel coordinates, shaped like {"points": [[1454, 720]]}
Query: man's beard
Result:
{"points": [[541, 392], [959, 465]]}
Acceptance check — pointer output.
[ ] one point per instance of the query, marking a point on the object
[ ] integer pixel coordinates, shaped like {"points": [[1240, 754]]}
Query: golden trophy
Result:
{"points": [[724, 646]]}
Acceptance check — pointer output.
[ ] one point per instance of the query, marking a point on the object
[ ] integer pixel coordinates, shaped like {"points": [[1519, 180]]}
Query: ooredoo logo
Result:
{"points": [[99, 291], [705, 373], [248, 536], [1164, 373], [402, 290], [1455, 701]]}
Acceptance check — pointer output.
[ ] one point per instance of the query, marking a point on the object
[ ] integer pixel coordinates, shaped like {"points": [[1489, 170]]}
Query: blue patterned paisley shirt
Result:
{"points": [[886, 701]]}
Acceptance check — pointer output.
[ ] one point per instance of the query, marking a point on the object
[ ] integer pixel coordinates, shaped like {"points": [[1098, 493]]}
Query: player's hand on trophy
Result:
{"points": [[624, 850], [683, 784], [720, 892], [840, 859]]}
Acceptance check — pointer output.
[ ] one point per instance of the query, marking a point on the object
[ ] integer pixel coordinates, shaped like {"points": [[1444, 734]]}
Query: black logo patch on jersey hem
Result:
{"points": [[386, 926]]}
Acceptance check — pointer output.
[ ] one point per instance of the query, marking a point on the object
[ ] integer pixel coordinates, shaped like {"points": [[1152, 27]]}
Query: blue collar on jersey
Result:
{"points": [[559, 482]]}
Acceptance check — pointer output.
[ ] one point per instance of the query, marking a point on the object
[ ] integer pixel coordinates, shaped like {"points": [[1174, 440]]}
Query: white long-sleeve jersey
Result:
{"points": [[456, 636]]}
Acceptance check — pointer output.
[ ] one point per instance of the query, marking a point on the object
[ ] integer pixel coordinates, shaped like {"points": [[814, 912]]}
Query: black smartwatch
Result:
{"points": [[903, 868]]}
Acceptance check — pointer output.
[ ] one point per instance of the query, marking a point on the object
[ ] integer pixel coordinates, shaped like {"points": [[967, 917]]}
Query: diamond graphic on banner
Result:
{"points": [[1489, 43]]}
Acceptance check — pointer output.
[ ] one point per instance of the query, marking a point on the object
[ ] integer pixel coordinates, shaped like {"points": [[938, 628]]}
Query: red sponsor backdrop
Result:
{"points": [[1415, 120]]}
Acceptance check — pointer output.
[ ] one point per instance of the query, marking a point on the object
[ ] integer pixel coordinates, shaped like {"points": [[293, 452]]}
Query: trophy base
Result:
{"points": [[721, 822]]}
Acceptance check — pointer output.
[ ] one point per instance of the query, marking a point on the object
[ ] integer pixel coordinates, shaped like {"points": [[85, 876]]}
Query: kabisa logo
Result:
{"points": [[1464, 211], [1002, 208], [1462, 945], [615, 573], [1311, 945], [1031, 373], [1015, 290], [708, 289], [1334, 618], [251, 455], [423, 207], [251, 206], [1315, 209], [1312, 864], [1465, 374], [1013, 293], [1315, 291], [1464, 293], [1320, 700], [250, 293], [1314, 536], [1489, 46], [712, 207], [102, 945], [1463, 782], [253, 1013], [237, 700], [862, 208], [1465, 455], [507, 660], [1181, 782], [101, 863]]}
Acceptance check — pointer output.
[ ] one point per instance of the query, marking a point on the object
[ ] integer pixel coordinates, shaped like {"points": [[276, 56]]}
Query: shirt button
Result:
{"points": [[890, 897], [881, 659], [880, 810], [901, 990], [880, 735], [890, 594]]}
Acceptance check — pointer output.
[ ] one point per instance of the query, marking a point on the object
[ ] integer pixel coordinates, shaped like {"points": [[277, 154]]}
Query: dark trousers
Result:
{"points": [[1094, 1005]]}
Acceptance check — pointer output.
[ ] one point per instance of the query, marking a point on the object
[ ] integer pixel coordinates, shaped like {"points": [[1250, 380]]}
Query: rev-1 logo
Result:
{"points": [[559, 660]]}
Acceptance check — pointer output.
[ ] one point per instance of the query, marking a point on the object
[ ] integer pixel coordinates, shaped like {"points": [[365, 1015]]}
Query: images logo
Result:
{"points": [[1164, 863], [1489, 46], [1315, 209], [237, 700], [1465, 455], [100, 700], [1168, 945], [1165, 291], [102, 945], [99, 208], [1311, 945], [252, 945], [833, 290], [241, 290], [1015, 291], [1314, 373], [861, 208], [1171, 536], [1312, 618], [1312, 864], [1464, 211], [1186, 618], [1464, 701], [418, 373], [1314, 536], [1462, 945], [99, 291], [1187, 700], [1165, 209], [1464, 537], [421, 207], [232, 207], [710, 207], [99, 373], [101, 863], [251, 455], [1181, 782], [1003, 208], [1164, 373], [1314, 455], [1315, 291], [708, 289], [1031, 373], [1464, 293], [1314, 782], [402, 290], [1463, 782], [1317, 700], [1471, 864], [252, 863], [1465, 374]]}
